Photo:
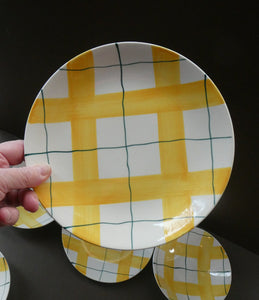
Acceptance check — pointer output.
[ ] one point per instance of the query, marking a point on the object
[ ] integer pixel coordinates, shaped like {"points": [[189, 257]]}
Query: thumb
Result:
{"points": [[20, 178]]}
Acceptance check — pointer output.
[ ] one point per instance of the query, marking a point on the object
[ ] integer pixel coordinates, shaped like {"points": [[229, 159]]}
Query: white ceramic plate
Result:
{"points": [[140, 142], [4, 278], [193, 267], [102, 264], [28, 220]]}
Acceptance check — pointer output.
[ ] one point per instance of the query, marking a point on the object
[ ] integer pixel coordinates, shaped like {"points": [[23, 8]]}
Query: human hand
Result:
{"points": [[15, 183]]}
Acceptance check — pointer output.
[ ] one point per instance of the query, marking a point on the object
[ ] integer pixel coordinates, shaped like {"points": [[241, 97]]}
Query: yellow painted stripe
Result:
{"points": [[203, 263], [219, 290], [165, 73], [166, 284], [124, 267], [3, 265], [81, 83], [115, 190], [193, 289], [85, 165], [172, 98], [179, 206], [89, 214], [172, 156], [29, 219]]}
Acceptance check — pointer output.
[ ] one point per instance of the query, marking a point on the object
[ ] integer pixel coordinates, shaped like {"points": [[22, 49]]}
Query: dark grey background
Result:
{"points": [[37, 38]]}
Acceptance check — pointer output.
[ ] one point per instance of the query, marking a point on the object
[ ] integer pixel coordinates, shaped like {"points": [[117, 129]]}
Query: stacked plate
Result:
{"points": [[102, 264], [193, 267], [28, 220], [4, 277]]}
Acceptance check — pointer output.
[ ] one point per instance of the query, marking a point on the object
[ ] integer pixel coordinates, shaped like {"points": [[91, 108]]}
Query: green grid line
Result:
{"points": [[135, 221], [185, 261], [211, 145], [123, 65], [191, 270], [157, 278], [125, 137], [128, 146], [142, 257], [47, 145], [4, 284], [200, 234], [104, 260], [105, 271]]}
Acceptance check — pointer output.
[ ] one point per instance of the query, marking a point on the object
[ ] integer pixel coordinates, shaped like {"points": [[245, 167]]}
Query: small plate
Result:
{"points": [[140, 143], [4, 278], [28, 220], [193, 267], [102, 264]]}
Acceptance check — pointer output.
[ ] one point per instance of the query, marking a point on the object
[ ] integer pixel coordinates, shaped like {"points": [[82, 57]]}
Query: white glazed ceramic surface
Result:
{"points": [[140, 143], [102, 264], [4, 278], [193, 267]]}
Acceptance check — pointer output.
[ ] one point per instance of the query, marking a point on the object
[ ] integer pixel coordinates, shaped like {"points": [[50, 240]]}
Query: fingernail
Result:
{"points": [[45, 170]]}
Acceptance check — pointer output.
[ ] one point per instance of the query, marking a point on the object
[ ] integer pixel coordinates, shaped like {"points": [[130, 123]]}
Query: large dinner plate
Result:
{"points": [[140, 142]]}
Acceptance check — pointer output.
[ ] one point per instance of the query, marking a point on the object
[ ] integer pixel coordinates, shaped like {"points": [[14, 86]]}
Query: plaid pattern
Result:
{"points": [[193, 267], [4, 278], [140, 143], [102, 264], [28, 220]]}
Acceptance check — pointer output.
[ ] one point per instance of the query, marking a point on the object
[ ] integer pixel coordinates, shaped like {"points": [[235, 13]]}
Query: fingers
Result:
{"points": [[8, 215], [29, 200], [21, 178], [3, 162], [11, 199], [13, 151], [15, 182], [26, 198]]}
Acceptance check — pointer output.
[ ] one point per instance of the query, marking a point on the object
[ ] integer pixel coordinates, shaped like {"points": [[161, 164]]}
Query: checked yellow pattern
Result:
{"points": [[124, 88], [102, 264], [4, 277], [193, 267], [28, 220]]}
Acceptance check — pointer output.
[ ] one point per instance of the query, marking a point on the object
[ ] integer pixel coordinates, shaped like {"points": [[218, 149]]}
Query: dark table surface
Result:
{"points": [[222, 38]]}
